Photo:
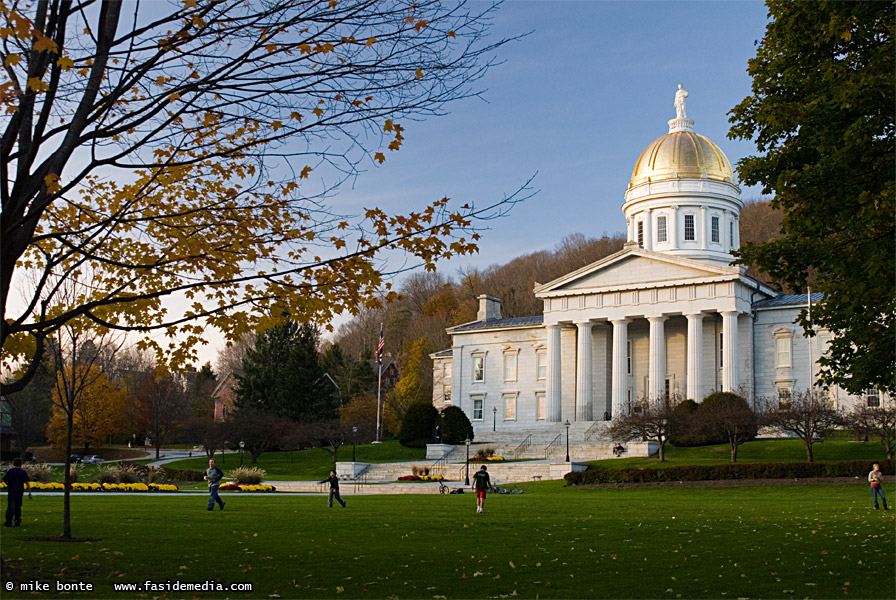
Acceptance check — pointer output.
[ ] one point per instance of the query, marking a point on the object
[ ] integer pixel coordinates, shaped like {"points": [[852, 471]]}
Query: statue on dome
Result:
{"points": [[680, 96]]}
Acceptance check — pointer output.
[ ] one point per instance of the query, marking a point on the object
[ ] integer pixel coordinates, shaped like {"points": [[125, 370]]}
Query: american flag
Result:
{"points": [[380, 346]]}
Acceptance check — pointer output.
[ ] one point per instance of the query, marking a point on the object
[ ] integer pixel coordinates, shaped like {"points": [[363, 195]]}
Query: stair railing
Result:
{"points": [[525, 445], [554, 444], [592, 431]]}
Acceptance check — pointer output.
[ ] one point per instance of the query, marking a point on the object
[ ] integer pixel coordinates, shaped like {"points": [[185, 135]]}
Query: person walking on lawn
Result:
{"points": [[334, 489], [876, 479], [16, 480], [481, 484], [214, 475]]}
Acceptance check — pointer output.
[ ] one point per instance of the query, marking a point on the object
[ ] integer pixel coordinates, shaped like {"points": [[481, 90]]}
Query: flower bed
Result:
{"points": [[55, 486], [233, 487], [421, 478], [487, 459]]}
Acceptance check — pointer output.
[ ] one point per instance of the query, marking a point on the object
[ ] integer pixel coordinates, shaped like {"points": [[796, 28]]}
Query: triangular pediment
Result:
{"points": [[636, 267]]}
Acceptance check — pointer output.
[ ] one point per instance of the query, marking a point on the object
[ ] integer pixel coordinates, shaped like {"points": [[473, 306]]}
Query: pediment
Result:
{"points": [[636, 267]]}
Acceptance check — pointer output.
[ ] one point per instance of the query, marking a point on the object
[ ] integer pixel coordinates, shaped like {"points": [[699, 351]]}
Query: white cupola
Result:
{"points": [[682, 198]]}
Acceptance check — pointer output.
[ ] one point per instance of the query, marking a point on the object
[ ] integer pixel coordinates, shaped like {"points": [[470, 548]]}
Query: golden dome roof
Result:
{"points": [[682, 154]]}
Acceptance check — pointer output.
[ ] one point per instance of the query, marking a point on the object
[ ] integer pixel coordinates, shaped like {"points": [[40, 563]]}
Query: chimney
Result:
{"points": [[489, 308]]}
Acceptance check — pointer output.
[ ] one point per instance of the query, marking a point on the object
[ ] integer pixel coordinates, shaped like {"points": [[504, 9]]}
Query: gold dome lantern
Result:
{"points": [[682, 154]]}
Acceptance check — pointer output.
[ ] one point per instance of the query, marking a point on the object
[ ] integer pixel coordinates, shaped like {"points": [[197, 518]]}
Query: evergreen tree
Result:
{"points": [[282, 376]]}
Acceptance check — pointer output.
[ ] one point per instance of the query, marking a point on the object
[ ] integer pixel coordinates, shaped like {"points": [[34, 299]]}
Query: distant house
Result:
{"points": [[388, 372], [224, 395]]}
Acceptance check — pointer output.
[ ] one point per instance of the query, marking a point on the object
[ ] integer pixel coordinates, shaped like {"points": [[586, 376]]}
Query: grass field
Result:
{"points": [[776, 541]]}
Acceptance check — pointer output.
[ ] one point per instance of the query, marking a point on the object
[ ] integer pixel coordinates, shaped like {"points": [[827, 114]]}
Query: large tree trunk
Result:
{"points": [[808, 442]]}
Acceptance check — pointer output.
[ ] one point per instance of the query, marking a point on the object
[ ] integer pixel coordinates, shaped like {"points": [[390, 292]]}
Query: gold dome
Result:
{"points": [[682, 154]]}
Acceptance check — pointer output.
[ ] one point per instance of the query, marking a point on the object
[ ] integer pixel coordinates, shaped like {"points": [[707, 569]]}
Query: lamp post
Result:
{"points": [[467, 480], [354, 433], [495, 418], [242, 445], [567, 439]]}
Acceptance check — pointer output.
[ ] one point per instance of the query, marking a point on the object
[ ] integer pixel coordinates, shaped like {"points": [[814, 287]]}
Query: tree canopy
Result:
{"points": [[165, 151], [821, 113], [282, 376]]}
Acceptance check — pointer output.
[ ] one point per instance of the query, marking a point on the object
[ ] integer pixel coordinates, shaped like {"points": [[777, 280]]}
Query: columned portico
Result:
{"points": [[729, 351], [584, 407], [554, 374], [656, 377], [619, 368], [695, 356]]}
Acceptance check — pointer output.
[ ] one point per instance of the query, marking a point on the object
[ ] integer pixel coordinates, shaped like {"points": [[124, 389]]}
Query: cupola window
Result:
{"points": [[661, 229], [640, 234], [689, 228], [714, 223]]}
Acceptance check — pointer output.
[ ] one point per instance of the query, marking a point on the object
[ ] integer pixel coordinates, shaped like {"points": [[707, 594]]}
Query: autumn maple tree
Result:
{"points": [[180, 156]]}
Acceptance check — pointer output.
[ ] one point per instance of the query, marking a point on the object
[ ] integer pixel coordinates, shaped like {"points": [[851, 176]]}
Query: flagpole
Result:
{"points": [[379, 382], [811, 362]]}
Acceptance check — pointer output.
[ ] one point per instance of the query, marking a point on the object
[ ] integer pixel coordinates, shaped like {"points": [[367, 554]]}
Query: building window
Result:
{"points": [[714, 224], [446, 395], [510, 407], [510, 366], [689, 228], [782, 346], [541, 365], [628, 357], [541, 411], [640, 234], [784, 397], [731, 234], [721, 350], [661, 229], [872, 398], [477, 408], [446, 370], [478, 368]]}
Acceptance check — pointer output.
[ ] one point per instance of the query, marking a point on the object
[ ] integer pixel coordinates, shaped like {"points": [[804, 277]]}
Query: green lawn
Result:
{"points": [[777, 541]]}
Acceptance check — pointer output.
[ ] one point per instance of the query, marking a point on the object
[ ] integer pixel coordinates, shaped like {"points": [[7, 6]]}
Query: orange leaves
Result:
{"points": [[65, 63], [295, 115], [379, 157], [35, 83], [371, 41], [52, 183], [305, 172], [420, 25], [419, 73], [276, 125], [332, 4], [318, 111], [12, 60], [451, 34]]}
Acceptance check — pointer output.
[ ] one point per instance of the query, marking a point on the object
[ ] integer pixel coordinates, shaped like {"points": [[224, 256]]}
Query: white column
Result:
{"points": [[703, 228], [554, 376], [657, 361], [673, 228], [620, 371], [729, 351], [695, 356], [583, 372], [648, 229]]}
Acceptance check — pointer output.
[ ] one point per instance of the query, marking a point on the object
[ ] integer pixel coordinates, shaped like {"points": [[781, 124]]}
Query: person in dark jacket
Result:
{"points": [[214, 475], [16, 480], [334, 489]]}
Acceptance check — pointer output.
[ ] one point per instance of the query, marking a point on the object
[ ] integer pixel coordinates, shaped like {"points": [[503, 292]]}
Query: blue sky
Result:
{"points": [[574, 103]]}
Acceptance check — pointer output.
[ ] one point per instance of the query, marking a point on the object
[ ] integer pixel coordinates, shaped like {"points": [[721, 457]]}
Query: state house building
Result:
{"points": [[667, 315]]}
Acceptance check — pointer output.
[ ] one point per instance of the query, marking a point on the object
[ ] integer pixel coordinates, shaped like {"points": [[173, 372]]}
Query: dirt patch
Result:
{"points": [[727, 482]]}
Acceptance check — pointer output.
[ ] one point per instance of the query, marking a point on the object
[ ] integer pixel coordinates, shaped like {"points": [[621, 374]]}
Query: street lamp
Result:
{"points": [[467, 480], [242, 445], [495, 418], [567, 440], [354, 433]]}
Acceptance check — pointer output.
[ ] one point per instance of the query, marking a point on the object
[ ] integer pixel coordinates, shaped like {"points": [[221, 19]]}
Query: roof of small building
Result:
{"points": [[443, 353], [788, 300], [499, 324]]}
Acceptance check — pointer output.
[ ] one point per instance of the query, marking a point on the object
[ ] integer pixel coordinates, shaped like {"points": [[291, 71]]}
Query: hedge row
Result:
{"points": [[854, 468], [172, 474]]}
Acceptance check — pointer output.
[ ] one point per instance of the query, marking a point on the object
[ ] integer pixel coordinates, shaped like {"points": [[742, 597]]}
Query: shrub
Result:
{"points": [[127, 474], [153, 474], [681, 425], [247, 475], [418, 426], [106, 474], [456, 427], [73, 473], [485, 453], [39, 472]]}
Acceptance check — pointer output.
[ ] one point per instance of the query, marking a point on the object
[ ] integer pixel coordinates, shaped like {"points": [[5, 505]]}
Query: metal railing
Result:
{"points": [[592, 431], [554, 444], [438, 467], [525, 445]]}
